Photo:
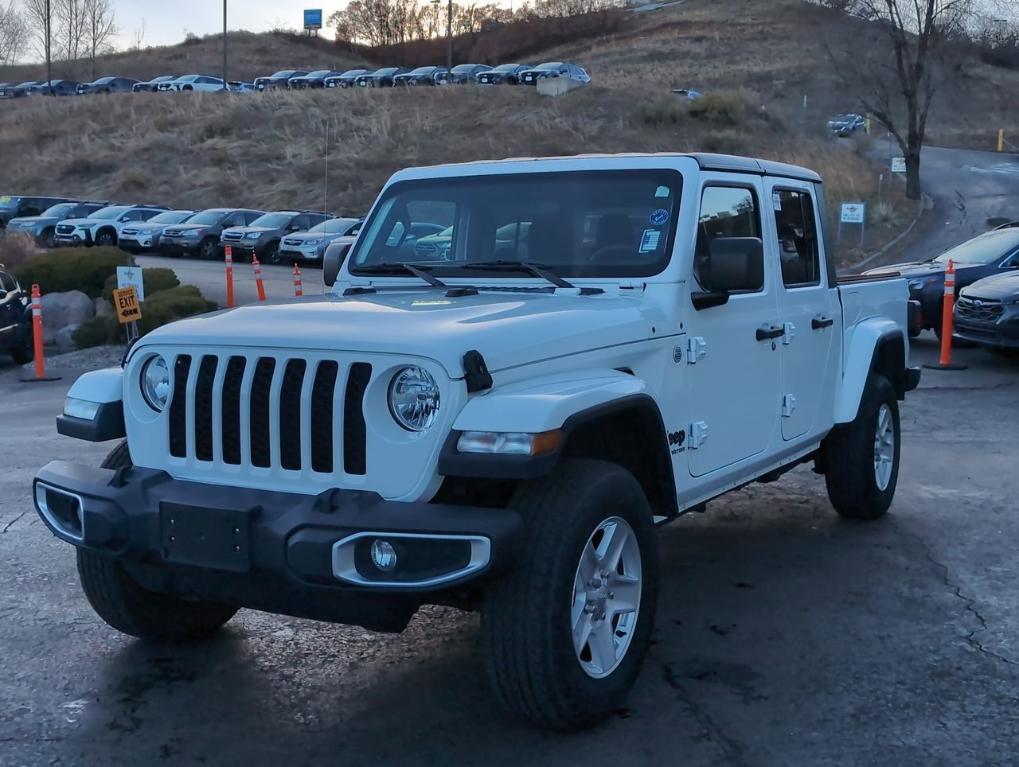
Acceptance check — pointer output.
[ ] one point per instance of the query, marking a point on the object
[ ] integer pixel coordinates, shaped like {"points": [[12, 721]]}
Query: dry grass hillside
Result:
{"points": [[755, 60]]}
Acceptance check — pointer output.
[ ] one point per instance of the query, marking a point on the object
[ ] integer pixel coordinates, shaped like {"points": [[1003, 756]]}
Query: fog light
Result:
{"points": [[384, 556]]}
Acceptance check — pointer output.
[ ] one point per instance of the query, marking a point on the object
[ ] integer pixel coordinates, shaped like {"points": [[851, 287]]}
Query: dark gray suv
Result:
{"points": [[262, 236]]}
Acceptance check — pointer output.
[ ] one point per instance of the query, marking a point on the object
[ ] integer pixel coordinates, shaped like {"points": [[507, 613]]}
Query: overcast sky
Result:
{"points": [[168, 22]]}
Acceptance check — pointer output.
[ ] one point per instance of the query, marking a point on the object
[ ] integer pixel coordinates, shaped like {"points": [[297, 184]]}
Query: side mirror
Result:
{"points": [[332, 261], [734, 265]]}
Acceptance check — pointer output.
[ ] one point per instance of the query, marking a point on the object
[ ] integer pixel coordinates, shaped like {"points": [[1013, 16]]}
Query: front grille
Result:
{"points": [[291, 241], [269, 413], [979, 309], [172, 233], [129, 232], [65, 229], [232, 236]]}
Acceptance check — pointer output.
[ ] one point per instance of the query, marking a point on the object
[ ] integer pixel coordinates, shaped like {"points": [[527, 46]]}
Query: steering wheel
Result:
{"points": [[600, 254]]}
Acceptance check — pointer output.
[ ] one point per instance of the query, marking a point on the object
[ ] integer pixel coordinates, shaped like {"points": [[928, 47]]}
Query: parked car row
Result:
{"points": [[291, 235], [986, 283], [298, 79]]}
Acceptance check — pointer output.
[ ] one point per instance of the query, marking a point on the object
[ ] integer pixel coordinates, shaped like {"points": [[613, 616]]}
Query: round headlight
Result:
{"points": [[155, 383], [414, 399]]}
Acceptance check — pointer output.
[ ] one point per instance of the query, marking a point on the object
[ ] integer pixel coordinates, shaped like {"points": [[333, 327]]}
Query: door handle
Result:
{"points": [[770, 332], [820, 322]]}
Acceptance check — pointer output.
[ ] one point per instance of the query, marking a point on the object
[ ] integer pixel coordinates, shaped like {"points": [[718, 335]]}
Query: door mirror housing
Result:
{"points": [[332, 261], [735, 265]]}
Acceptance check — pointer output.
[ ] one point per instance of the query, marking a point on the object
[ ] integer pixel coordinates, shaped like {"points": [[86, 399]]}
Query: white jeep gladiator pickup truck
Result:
{"points": [[599, 345]]}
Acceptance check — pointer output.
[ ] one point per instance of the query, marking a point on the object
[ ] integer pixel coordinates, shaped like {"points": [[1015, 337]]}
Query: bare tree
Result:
{"points": [[100, 28], [71, 29], [13, 33], [896, 74]]}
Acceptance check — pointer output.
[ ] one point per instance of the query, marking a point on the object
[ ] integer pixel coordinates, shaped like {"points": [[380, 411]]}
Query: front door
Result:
{"points": [[733, 375], [808, 306]]}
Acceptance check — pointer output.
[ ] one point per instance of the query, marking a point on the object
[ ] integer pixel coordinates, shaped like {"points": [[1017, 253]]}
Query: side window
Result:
{"points": [[7, 282], [797, 238], [1012, 262], [726, 211], [299, 224]]}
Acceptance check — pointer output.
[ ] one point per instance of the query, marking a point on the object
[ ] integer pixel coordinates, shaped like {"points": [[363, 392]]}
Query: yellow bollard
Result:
{"points": [[1001, 139]]}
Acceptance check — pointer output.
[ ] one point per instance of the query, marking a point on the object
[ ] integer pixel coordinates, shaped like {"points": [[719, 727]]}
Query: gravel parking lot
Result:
{"points": [[785, 634]]}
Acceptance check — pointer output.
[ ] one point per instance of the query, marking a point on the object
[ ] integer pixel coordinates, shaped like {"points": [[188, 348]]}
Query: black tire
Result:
{"points": [[526, 617], [49, 238], [207, 249], [24, 352], [106, 239], [131, 609], [272, 252], [849, 456], [1004, 353]]}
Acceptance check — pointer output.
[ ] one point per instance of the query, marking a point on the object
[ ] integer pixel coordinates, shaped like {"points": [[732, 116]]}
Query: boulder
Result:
{"points": [[103, 308], [62, 309], [65, 338]]}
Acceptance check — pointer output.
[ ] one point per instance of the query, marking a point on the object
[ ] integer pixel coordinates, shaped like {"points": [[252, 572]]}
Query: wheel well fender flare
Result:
{"points": [[873, 345]]}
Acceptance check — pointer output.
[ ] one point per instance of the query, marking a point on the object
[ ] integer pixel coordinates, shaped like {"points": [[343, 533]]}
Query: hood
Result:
{"points": [[305, 236], [999, 287], [509, 329], [29, 221], [142, 226], [185, 227], [247, 229], [86, 221]]}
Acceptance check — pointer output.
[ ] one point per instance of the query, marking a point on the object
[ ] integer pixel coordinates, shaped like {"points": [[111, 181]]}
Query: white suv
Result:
{"points": [[605, 344], [102, 227]]}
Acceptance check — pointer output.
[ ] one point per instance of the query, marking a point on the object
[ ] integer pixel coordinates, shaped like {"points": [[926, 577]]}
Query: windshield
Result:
{"points": [[333, 226], [103, 81], [62, 210], [422, 70], [170, 217], [581, 224], [9, 203], [463, 69], [505, 67], [208, 217], [386, 71], [320, 73], [105, 214], [550, 65], [284, 73], [273, 220], [353, 72], [983, 249]]}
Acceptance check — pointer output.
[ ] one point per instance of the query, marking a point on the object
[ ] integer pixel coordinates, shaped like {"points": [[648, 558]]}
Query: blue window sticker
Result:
{"points": [[659, 217], [649, 240]]}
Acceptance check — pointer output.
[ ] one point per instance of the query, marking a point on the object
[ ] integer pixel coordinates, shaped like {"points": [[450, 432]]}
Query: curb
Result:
{"points": [[928, 204]]}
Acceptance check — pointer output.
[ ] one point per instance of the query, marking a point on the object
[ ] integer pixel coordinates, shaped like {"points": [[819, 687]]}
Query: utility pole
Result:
{"points": [[225, 86], [49, 48], [449, 35]]}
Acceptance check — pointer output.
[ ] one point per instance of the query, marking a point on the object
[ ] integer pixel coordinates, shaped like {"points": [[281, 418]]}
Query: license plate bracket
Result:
{"points": [[201, 536]]}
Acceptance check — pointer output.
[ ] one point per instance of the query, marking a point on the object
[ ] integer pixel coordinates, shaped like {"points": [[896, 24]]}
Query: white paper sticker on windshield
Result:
{"points": [[776, 201], [649, 240]]}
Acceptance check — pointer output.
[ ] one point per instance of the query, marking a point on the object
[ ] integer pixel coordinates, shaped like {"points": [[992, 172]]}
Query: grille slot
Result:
{"points": [[354, 429], [322, 416], [232, 410], [178, 406], [203, 408], [260, 384], [290, 414], [980, 309]]}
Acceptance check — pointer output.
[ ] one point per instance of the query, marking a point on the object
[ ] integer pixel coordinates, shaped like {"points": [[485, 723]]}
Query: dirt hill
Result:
{"points": [[755, 60]]}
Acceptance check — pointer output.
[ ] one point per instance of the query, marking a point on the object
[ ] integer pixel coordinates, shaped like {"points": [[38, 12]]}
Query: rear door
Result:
{"points": [[808, 307], [733, 378]]}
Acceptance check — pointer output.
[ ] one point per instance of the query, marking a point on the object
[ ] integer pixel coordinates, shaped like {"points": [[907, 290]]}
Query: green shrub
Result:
{"points": [[162, 308], [720, 108], [155, 279], [63, 269]]}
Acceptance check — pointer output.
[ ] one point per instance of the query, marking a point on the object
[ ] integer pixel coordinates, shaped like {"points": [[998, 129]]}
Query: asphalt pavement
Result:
{"points": [[785, 635], [970, 192]]}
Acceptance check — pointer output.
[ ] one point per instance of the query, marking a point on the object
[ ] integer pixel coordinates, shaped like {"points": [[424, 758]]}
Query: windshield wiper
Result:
{"points": [[400, 268], [535, 270]]}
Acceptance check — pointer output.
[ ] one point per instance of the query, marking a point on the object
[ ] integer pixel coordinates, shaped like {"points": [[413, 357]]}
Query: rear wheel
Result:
{"points": [[862, 457], [131, 609], [24, 352], [565, 633]]}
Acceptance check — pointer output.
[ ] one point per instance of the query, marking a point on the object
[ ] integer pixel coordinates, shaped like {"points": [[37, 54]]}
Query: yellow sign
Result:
{"points": [[125, 301]]}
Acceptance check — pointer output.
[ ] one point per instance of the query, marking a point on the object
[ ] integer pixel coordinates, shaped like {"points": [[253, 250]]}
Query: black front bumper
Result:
{"points": [[1002, 333], [276, 551]]}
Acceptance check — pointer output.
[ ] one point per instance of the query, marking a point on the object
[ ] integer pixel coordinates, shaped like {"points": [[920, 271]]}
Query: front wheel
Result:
{"points": [[106, 239], [566, 633], [130, 608], [862, 457], [207, 250]]}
